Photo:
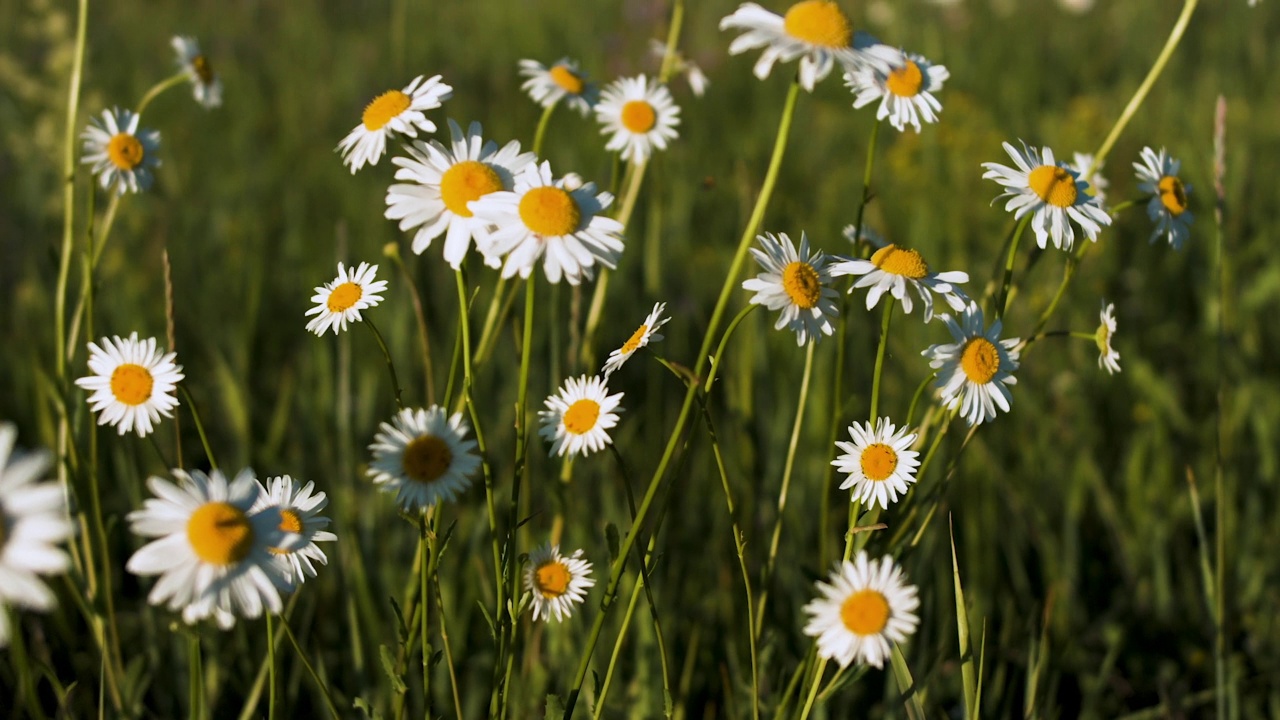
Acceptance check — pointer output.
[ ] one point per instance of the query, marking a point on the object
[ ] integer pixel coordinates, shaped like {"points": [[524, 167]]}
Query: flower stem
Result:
{"points": [[315, 677], [1003, 301], [195, 417], [635, 174], [155, 91], [386, 355], [271, 668], [424, 572], [884, 342], [541, 132], [420, 317]]}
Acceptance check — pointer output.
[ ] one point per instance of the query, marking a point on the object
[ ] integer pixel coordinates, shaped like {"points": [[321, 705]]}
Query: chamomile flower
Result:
{"points": [[879, 462], [798, 284], [893, 269], [867, 235], [561, 81], [556, 581], [1158, 175], [122, 156], [815, 31], [1054, 194], [1097, 184], [341, 301], [442, 181], [299, 507], [975, 373], [558, 220], [1108, 357], [693, 74], [394, 112], [205, 83], [579, 415], [904, 87], [132, 383], [645, 334], [424, 457], [865, 605], [641, 116]]}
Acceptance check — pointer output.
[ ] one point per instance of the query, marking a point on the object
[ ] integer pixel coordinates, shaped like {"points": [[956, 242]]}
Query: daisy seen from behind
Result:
{"points": [[795, 283], [893, 269], [424, 457], [579, 416], [205, 83], [879, 462], [1108, 357], [299, 507], [562, 80], [645, 334], [682, 65], [394, 112], [132, 384], [975, 373], [341, 301], [1158, 176], [123, 157], [1097, 184], [862, 607], [640, 115], [817, 32], [557, 582], [1053, 194]]}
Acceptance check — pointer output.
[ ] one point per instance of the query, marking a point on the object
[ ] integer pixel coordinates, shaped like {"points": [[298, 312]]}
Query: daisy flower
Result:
{"points": [[647, 333], [865, 605], [1097, 184], [132, 383], [121, 155], [1158, 175], [562, 81], [399, 112], [299, 509], [1053, 192], [815, 31], [424, 457], [33, 520], [693, 74], [341, 301], [443, 181], [893, 269], [797, 284], [904, 87], [205, 84], [557, 582], [1108, 357], [879, 462], [578, 417], [975, 372], [558, 219], [214, 549], [641, 116], [867, 235]]}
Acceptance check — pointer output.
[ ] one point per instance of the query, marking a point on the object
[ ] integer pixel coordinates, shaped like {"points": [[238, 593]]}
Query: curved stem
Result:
{"points": [[724, 342], [68, 202], [884, 342], [391, 366], [160, 87], [195, 416], [541, 132], [315, 677]]}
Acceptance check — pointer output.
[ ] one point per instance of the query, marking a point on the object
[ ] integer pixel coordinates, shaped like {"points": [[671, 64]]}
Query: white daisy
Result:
{"points": [[796, 283], [1158, 175], [299, 508], [976, 372], [132, 383], [557, 582], [443, 181], [693, 74], [554, 219], [879, 462], [641, 115], [893, 269], [1053, 192], [1080, 163], [645, 334], [865, 605], [868, 236], [205, 84], [424, 457], [400, 112], [905, 87], [341, 301], [578, 417], [121, 155], [1108, 357], [562, 81]]}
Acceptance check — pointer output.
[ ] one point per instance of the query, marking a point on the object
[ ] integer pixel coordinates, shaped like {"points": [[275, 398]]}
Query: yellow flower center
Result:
{"points": [[466, 181], [906, 81], [427, 459], [1103, 339], [203, 69], [290, 521], [552, 579], [344, 296], [630, 345], [818, 22], [131, 384], [385, 108], [865, 612], [220, 533], [567, 79], [802, 284], [638, 116], [125, 151], [550, 210], [879, 461], [1173, 195], [581, 416], [900, 261], [980, 360], [1053, 185]]}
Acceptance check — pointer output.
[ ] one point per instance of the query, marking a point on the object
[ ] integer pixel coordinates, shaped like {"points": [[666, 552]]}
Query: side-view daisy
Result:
{"points": [[1108, 357], [400, 112], [205, 83], [299, 507], [424, 457], [122, 156], [797, 284], [556, 581], [865, 605], [641, 116], [815, 31], [975, 373], [645, 334], [1097, 184], [561, 81], [1053, 193], [341, 301], [693, 74], [893, 269], [904, 87], [579, 415], [1158, 175], [132, 383], [879, 463]]}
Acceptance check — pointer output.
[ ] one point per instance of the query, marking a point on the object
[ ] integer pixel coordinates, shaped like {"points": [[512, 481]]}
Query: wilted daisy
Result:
{"points": [[865, 605], [133, 383], [424, 457], [562, 81], [579, 415], [976, 371], [879, 462], [444, 180], [393, 112], [641, 116], [795, 283], [299, 508], [341, 301], [1158, 175], [1097, 184], [1054, 193], [693, 74], [645, 334], [893, 269], [121, 155], [214, 552], [558, 219], [1108, 357], [904, 87], [815, 31], [33, 520], [205, 84], [557, 582]]}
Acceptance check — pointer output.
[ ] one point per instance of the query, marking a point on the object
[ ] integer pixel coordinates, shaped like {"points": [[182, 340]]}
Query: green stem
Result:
{"points": [[817, 678], [866, 181], [95, 252], [160, 87], [497, 308], [724, 342], [673, 38], [880, 350], [635, 173], [424, 615], [541, 132], [324, 690], [195, 416], [1003, 301], [915, 399], [195, 677], [420, 318], [386, 355], [68, 199], [271, 668]]}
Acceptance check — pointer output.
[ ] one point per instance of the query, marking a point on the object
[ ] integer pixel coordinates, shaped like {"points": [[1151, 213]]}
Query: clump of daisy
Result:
{"points": [[579, 416], [796, 283], [424, 457], [133, 383], [641, 116], [1097, 184], [205, 83], [904, 87], [1052, 192], [341, 301], [299, 507], [394, 112], [1108, 357], [893, 269], [645, 334], [556, 581], [1158, 175], [864, 605], [879, 462], [975, 373], [122, 156], [815, 31], [693, 74], [561, 81]]}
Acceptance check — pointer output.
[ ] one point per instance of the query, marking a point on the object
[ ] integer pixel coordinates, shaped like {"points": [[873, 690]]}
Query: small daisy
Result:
{"points": [[1108, 357], [647, 333], [1053, 192], [864, 606], [693, 74], [578, 417], [641, 115], [1097, 184], [1158, 175], [299, 509], [444, 180], [424, 457], [551, 218], [868, 236], [341, 301], [879, 462], [121, 155], [399, 112], [557, 582], [33, 520], [892, 269], [132, 383], [976, 372], [562, 81], [214, 552], [815, 31], [797, 284], [905, 88], [206, 85]]}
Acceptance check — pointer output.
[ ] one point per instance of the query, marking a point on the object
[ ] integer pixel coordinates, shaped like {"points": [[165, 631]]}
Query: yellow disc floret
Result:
{"points": [[220, 533], [802, 284], [466, 181], [980, 360], [879, 461], [344, 296], [906, 81], [385, 108], [1053, 185], [552, 579], [567, 79], [633, 342], [1173, 195], [638, 116], [818, 22], [581, 416], [550, 210], [290, 521], [900, 261], [427, 458], [125, 151], [865, 612], [131, 384]]}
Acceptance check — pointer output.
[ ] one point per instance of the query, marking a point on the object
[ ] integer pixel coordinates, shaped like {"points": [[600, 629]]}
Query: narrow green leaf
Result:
{"points": [[982, 661], [910, 693], [962, 629]]}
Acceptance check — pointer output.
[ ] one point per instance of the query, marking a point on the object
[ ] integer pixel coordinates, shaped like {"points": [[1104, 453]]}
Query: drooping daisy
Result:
{"points": [[865, 605], [562, 81], [892, 269], [443, 182], [976, 371], [693, 74], [121, 155], [33, 521], [905, 87], [424, 457], [341, 301], [213, 554], [645, 334], [1158, 175], [798, 284], [641, 116], [299, 508], [1097, 184], [401, 112], [1108, 357], [557, 582], [579, 415], [1054, 193], [552, 219], [205, 84], [133, 383], [879, 462]]}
